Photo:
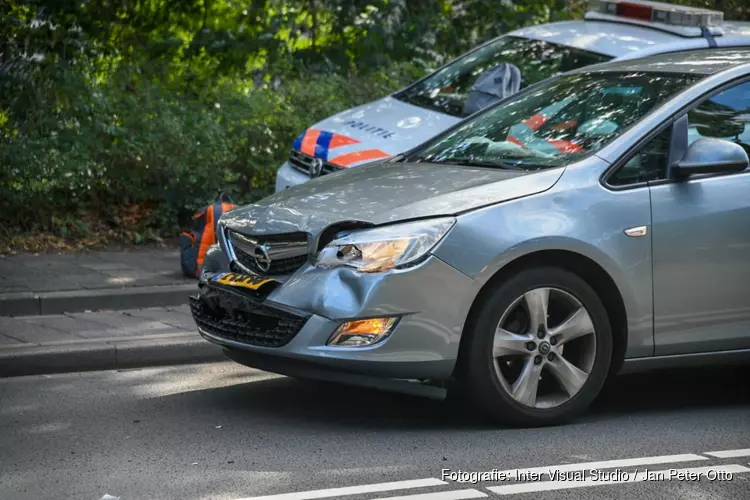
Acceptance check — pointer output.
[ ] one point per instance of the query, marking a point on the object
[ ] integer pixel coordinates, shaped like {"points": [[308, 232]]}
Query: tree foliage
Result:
{"points": [[160, 103]]}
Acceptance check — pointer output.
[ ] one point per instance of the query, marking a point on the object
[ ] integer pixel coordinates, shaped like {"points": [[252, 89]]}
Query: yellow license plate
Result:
{"points": [[242, 280]]}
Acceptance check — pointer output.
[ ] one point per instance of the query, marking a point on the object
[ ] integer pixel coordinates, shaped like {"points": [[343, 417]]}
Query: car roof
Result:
{"points": [[701, 62], [618, 39], [603, 37]]}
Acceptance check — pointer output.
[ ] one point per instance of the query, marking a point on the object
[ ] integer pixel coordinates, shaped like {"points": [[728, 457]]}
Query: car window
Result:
{"points": [[558, 122], [648, 164], [725, 116], [447, 89]]}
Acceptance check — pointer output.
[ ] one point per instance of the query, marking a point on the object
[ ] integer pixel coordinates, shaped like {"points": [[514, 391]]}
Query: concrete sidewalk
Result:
{"points": [[49, 283], [101, 340]]}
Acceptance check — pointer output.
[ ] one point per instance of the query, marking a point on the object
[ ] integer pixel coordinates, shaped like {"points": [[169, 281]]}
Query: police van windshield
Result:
{"points": [[447, 89]]}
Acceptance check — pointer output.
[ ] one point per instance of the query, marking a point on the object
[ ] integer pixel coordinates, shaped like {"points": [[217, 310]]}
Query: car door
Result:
{"points": [[701, 241]]}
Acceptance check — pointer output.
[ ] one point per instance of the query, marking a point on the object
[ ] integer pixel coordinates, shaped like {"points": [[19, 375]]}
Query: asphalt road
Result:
{"points": [[225, 432]]}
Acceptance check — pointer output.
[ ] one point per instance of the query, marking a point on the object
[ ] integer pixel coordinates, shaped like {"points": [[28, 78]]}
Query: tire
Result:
{"points": [[488, 381]]}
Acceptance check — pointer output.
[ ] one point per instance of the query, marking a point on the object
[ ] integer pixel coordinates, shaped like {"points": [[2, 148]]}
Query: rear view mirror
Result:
{"points": [[711, 156]]}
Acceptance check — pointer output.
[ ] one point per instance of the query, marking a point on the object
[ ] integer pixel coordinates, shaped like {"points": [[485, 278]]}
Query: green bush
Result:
{"points": [[118, 119], [95, 148]]}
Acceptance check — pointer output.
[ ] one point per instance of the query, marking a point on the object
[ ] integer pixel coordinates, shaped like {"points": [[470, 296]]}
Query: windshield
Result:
{"points": [[559, 122], [447, 89]]}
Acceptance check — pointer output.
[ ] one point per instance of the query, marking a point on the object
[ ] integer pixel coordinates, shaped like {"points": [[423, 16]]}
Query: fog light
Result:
{"points": [[362, 332]]}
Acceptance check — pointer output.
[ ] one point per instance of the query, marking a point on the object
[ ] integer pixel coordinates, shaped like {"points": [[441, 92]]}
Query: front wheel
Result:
{"points": [[539, 350]]}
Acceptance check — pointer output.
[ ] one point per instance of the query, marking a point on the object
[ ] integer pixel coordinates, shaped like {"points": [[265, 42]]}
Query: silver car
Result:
{"points": [[595, 223]]}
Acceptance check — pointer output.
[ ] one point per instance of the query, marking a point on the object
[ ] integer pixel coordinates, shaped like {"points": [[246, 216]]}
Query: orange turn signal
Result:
{"points": [[362, 332]]}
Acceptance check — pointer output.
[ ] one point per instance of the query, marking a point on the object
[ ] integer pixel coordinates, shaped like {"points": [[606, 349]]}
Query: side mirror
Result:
{"points": [[711, 156]]}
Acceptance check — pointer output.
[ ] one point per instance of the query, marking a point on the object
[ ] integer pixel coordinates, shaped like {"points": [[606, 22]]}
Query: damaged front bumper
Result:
{"points": [[287, 330]]}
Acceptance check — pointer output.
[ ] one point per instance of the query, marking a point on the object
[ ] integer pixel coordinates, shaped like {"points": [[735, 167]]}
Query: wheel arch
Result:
{"points": [[584, 267]]}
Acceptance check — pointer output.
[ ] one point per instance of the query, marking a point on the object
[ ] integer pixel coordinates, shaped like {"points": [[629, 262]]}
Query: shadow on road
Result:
{"points": [[679, 390], [326, 404]]}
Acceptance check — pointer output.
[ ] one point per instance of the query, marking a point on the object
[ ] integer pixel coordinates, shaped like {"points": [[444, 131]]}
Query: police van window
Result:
{"points": [[725, 116], [446, 90]]}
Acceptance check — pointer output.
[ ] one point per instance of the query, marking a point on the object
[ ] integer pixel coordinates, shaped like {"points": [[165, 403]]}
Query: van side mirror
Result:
{"points": [[711, 156]]}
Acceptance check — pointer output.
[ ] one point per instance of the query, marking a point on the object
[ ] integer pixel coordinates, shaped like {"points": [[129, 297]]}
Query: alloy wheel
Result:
{"points": [[544, 348]]}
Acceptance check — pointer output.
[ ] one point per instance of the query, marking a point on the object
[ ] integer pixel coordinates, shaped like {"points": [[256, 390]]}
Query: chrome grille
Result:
{"points": [[267, 256], [302, 162], [280, 266]]}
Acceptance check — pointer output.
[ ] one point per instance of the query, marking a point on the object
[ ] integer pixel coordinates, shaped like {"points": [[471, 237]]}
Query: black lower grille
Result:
{"points": [[278, 266], [229, 316]]}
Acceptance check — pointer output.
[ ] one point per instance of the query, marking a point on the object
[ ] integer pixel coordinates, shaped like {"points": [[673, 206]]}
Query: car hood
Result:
{"points": [[385, 192], [373, 131]]}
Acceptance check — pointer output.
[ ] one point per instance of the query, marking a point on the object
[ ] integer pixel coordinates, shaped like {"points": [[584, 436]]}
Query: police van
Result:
{"points": [[611, 29]]}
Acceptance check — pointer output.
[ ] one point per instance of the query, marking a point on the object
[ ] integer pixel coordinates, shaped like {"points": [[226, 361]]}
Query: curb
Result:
{"points": [[28, 304], [107, 354]]}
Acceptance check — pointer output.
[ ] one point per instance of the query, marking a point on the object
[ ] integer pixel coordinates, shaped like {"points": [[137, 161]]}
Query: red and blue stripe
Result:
{"points": [[319, 143]]}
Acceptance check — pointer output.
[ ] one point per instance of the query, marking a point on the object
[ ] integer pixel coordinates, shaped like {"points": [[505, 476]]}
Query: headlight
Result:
{"points": [[383, 248]]}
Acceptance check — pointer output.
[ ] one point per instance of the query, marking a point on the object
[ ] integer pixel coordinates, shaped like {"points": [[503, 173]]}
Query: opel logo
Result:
{"points": [[544, 348], [315, 167], [262, 260], [253, 249]]}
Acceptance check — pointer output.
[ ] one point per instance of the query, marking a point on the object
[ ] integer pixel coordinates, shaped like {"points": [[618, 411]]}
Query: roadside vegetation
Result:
{"points": [[119, 119]]}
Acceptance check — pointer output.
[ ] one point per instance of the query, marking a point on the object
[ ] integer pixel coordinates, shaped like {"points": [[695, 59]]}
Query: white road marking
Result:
{"points": [[608, 464], [441, 495], [729, 453], [524, 487], [354, 490], [632, 477]]}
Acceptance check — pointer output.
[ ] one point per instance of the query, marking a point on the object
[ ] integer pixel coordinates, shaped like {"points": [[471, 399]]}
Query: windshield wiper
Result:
{"points": [[472, 162]]}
